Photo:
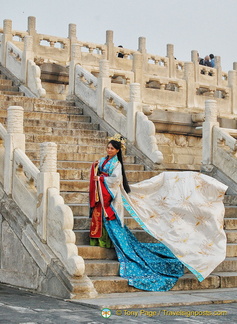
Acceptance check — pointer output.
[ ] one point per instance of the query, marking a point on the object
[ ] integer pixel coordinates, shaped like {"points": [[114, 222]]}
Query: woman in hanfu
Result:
{"points": [[183, 210]]}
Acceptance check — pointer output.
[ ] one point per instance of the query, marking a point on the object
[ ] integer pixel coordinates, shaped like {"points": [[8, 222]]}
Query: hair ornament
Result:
{"points": [[119, 138]]}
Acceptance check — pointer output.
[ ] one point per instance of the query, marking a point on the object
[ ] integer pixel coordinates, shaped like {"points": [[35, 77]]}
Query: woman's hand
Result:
{"points": [[96, 178]]}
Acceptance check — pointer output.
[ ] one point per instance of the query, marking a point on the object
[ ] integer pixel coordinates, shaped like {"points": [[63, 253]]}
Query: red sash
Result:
{"points": [[100, 201]]}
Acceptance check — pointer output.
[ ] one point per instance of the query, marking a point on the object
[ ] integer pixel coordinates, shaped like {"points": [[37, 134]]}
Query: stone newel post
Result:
{"points": [[7, 36], [47, 178], [133, 107], [14, 139], [28, 54], [102, 83], [207, 134], [110, 46], [75, 59], [170, 55]]}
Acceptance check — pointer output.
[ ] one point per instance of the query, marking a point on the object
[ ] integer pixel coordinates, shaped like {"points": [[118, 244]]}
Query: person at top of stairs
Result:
{"points": [[183, 210]]}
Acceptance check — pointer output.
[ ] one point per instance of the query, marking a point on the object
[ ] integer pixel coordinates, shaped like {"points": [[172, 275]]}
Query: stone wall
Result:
{"points": [[180, 151]]}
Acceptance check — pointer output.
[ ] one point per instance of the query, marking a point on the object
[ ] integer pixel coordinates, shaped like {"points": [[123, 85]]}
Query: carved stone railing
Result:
{"points": [[219, 148], [36, 192], [121, 115], [165, 81]]}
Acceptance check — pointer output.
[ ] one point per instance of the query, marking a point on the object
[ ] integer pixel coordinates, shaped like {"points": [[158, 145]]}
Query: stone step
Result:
{"points": [[66, 140], [96, 252], [106, 267], [231, 250], [82, 174], [230, 211], [75, 197], [87, 165], [231, 235], [5, 82], [114, 284], [11, 93], [34, 148], [70, 157], [46, 130], [52, 131], [81, 123], [82, 236], [81, 221], [8, 87], [102, 267], [230, 223], [58, 115]]}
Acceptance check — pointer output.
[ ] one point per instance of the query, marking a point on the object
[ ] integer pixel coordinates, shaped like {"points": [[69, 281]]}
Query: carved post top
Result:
{"points": [[142, 44], [48, 157], [170, 50], [31, 25], [15, 116], [104, 68], [72, 31], [210, 111], [194, 56], [234, 65], [7, 26], [135, 93], [109, 36]]}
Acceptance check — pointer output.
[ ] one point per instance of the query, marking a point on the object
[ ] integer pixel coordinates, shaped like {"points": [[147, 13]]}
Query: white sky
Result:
{"points": [[208, 26]]}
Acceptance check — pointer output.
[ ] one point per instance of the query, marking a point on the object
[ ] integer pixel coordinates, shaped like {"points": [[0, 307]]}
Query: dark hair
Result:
{"points": [[117, 146], [211, 56]]}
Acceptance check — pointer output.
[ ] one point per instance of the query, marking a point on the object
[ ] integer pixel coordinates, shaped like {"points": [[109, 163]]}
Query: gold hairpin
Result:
{"points": [[119, 138]]}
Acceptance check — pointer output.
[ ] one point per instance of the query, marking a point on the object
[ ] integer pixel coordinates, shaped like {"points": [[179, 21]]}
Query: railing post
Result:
{"points": [[7, 36], [14, 139], [190, 83], [75, 59], [31, 26], [103, 82], [218, 70], [207, 134], [195, 60], [110, 47], [134, 106], [47, 178], [170, 55], [138, 67], [142, 45], [232, 83], [27, 55]]}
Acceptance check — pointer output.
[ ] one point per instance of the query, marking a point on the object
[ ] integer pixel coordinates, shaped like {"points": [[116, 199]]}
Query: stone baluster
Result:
{"points": [[75, 59], [170, 55], [103, 82], [207, 134], [14, 139], [110, 47], [190, 83], [232, 84], [134, 106], [47, 178], [7, 36], [28, 54]]}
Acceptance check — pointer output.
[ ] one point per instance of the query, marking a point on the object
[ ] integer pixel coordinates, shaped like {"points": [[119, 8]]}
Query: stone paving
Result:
{"points": [[21, 307]]}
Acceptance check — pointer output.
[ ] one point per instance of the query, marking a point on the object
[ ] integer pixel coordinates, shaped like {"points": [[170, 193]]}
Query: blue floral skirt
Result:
{"points": [[147, 266]]}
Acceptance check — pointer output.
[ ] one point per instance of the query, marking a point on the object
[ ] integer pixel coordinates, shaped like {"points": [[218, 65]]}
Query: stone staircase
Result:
{"points": [[81, 142]]}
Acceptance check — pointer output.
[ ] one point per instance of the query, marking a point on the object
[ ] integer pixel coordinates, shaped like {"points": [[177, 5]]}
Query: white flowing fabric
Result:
{"points": [[185, 211]]}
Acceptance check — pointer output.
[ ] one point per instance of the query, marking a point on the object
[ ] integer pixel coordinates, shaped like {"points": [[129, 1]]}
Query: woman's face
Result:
{"points": [[111, 151]]}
